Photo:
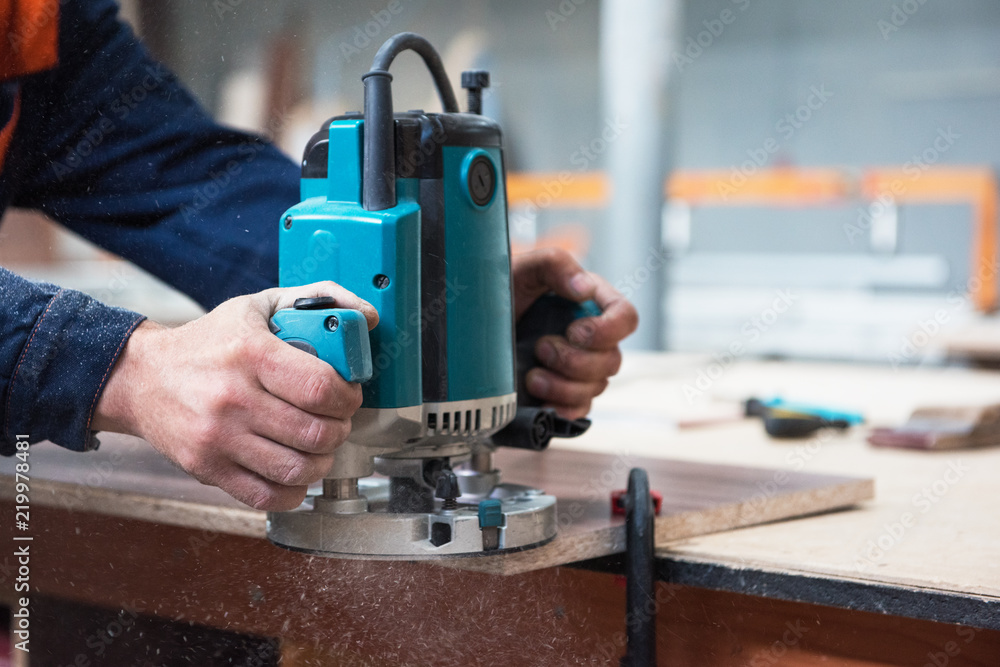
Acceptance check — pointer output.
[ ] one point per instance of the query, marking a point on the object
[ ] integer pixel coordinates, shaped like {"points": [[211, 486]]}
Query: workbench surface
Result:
{"points": [[927, 547], [933, 557]]}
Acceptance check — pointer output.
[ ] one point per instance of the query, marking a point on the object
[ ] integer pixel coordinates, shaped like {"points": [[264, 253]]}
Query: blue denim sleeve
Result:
{"points": [[57, 350], [111, 145]]}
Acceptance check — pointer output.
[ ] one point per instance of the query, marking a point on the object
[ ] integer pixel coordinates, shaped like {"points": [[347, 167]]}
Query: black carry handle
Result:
{"points": [[534, 426]]}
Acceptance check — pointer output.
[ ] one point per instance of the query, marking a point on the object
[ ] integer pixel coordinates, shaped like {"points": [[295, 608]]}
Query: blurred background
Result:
{"points": [[791, 178]]}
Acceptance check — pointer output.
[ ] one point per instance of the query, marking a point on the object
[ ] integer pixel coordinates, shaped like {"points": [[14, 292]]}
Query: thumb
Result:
{"points": [[275, 299]]}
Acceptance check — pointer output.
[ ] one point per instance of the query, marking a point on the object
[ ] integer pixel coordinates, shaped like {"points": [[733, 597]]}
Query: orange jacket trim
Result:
{"points": [[31, 36], [7, 132]]}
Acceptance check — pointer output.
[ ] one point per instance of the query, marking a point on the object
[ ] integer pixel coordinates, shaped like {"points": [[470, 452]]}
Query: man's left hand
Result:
{"points": [[575, 366]]}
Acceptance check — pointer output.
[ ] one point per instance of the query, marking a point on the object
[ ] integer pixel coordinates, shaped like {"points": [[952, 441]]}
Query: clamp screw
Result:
{"points": [[288, 222], [447, 489]]}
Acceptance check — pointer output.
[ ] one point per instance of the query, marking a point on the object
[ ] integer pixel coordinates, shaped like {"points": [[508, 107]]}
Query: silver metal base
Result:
{"points": [[529, 521]]}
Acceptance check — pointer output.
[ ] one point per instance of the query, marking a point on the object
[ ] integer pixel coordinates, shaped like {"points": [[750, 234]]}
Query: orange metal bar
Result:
{"points": [[565, 189], [781, 187], [976, 186]]}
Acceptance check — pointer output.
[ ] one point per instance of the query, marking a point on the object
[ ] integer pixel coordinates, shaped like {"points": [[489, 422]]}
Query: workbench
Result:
{"points": [[909, 578]]}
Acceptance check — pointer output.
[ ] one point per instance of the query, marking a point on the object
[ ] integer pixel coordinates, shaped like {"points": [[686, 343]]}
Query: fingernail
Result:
{"points": [[538, 384], [546, 352], [580, 334], [582, 284]]}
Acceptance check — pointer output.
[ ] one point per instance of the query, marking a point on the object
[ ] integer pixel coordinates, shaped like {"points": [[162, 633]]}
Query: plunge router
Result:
{"points": [[409, 212]]}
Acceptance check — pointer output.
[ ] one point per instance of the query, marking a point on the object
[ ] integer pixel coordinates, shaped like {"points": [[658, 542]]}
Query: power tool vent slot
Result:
{"points": [[458, 422], [468, 418]]}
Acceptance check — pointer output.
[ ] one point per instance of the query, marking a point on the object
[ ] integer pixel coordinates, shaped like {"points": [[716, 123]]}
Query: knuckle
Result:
{"points": [[319, 390], [204, 436], [196, 462], [328, 285], [222, 396], [315, 436], [295, 471], [243, 344], [263, 497]]}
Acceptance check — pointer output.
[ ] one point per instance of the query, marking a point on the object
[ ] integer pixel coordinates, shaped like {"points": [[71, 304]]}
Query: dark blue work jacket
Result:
{"points": [[110, 145]]}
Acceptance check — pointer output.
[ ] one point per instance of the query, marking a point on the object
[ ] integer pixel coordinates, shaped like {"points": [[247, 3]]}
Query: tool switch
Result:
{"points": [[338, 336]]}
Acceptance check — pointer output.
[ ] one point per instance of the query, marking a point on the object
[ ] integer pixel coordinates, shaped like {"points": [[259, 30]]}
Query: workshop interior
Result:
{"points": [[795, 464]]}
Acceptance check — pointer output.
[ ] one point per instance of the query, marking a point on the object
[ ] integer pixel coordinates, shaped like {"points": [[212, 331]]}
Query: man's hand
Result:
{"points": [[231, 403], [576, 366]]}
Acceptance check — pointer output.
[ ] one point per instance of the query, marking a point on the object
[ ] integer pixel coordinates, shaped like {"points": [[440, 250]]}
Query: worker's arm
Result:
{"points": [[113, 147], [577, 365], [110, 145], [57, 349]]}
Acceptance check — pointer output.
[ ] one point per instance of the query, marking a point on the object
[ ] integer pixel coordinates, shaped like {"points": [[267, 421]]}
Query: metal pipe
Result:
{"points": [[635, 63]]}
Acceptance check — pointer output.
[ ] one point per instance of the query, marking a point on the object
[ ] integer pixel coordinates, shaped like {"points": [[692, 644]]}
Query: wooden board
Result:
{"points": [[127, 479]]}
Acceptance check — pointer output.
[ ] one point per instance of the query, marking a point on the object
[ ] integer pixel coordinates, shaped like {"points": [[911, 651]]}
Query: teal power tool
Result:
{"points": [[409, 212]]}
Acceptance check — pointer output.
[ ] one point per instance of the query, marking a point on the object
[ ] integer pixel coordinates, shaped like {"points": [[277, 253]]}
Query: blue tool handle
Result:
{"points": [[338, 336], [829, 414]]}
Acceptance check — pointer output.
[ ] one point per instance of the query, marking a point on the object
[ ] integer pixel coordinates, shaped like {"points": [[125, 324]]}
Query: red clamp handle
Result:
{"points": [[618, 502]]}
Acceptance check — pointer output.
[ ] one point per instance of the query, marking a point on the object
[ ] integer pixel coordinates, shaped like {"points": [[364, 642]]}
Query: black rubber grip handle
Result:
{"points": [[534, 426]]}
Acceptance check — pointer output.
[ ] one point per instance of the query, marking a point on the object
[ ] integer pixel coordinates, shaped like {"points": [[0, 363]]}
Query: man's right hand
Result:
{"points": [[231, 403]]}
